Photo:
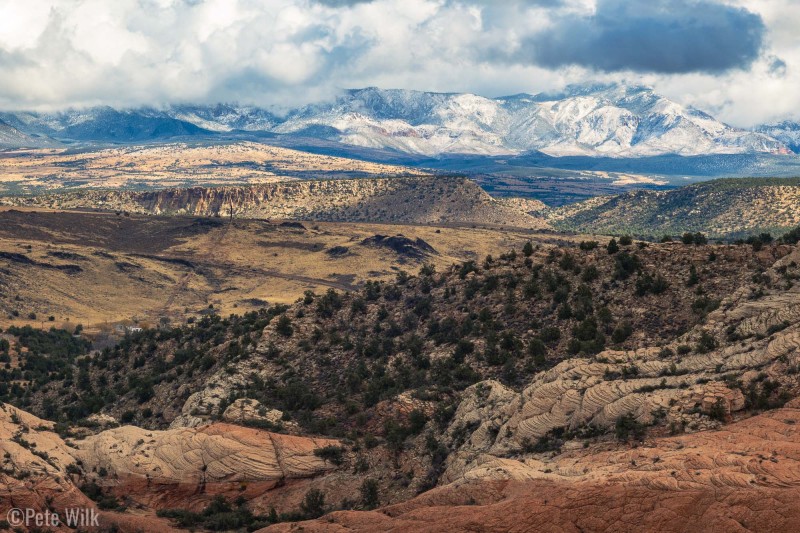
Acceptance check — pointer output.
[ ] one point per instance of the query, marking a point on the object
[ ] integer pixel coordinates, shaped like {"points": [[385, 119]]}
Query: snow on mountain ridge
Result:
{"points": [[612, 120], [787, 132]]}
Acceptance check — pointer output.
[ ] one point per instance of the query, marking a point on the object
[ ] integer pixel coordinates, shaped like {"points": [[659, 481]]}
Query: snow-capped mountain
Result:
{"points": [[608, 120], [787, 132], [588, 120]]}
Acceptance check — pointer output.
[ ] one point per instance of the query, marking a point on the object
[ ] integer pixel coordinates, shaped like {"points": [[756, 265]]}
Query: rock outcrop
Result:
{"points": [[184, 467], [745, 477], [246, 410], [657, 385]]}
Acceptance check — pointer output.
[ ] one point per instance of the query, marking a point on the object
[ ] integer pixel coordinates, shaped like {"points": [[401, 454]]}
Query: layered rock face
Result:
{"points": [[204, 461], [424, 200], [184, 467]]}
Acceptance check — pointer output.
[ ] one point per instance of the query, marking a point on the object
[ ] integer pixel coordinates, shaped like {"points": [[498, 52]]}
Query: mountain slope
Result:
{"points": [[720, 208], [105, 124], [473, 375], [225, 118], [11, 137], [530, 372], [787, 132]]}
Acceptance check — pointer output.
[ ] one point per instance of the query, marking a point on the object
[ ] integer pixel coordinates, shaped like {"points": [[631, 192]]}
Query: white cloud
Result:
{"points": [[57, 53]]}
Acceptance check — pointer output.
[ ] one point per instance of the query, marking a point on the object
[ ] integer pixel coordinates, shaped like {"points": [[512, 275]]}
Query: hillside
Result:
{"points": [[515, 320], [526, 381], [439, 200], [787, 132], [720, 208]]}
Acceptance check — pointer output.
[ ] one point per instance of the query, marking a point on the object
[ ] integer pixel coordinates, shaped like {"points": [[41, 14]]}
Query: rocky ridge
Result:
{"points": [[425, 200], [740, 478]]}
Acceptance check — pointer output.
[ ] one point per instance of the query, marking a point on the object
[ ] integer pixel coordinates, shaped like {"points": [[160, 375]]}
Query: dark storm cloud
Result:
{"points": [[662, 36]]}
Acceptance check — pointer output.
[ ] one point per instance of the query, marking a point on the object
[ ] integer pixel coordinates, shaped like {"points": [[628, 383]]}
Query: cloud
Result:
{"points": [[342, 3], [736, 56], [664, 36], [777, 67]]}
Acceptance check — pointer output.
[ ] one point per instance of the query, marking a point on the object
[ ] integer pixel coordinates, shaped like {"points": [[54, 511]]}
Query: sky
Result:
{"points": [[736, 59]]}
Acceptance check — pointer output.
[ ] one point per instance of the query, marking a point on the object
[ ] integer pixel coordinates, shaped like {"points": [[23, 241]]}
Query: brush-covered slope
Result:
{"points": [[720, 208]]}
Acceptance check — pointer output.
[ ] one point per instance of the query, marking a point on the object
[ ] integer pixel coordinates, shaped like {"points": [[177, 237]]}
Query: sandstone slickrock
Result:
{"points": [[246, 410], [182, 467], [744, 477]]}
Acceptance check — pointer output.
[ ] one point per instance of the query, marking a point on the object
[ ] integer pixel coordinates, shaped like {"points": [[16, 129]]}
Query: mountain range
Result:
{"points": [[616, 121]]}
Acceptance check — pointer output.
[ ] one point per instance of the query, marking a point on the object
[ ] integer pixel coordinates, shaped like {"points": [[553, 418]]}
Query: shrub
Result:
{"points": [[622, 332], [416, 422], [625, 265], [463, 348], [694, 278], [590, 273], [628, 427], [647, 283], [284, 326], [550, 334], [694, 238], [369, 494], [527, 250], [313, 505], [791, 237], [706, 343], [331, 454]]}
